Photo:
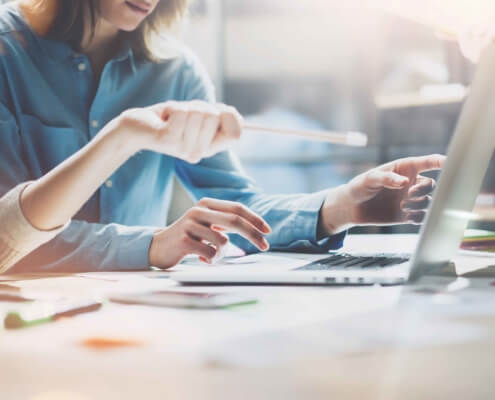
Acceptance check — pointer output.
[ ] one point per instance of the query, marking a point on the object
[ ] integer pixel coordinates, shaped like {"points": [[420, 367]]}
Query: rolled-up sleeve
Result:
{"points": [[17, 236], [82, 246], [293, 218]]}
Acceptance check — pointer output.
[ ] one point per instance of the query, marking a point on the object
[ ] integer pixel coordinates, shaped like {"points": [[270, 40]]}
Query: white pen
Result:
{"points": [[357, 139]]}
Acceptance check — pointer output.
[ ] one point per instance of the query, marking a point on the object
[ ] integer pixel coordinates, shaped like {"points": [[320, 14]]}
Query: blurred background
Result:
{"points": [[333, 65], [328, 64]]}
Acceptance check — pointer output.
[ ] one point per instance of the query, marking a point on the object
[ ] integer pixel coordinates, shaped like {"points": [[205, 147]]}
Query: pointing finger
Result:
{"points": [[377, 179], [428, 163]]}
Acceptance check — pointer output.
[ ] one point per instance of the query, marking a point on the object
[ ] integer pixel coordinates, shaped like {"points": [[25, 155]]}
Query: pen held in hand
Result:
{"points": [[356, 139]]}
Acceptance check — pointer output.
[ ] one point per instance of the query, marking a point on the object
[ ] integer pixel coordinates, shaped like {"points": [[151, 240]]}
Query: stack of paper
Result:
{"points": [[478, 240]]}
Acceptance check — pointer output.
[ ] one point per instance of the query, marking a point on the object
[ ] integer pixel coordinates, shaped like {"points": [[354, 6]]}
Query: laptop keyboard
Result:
{"points": [[344, 261]]}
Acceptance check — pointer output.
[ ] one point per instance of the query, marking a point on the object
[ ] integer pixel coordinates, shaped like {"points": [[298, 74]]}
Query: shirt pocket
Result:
{"points": [[45, 146]]}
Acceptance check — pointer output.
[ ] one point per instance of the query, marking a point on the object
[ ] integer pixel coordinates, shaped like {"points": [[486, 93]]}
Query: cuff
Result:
{"points": [[307, 224], [17, 232], [134, 255], [304, 227]]}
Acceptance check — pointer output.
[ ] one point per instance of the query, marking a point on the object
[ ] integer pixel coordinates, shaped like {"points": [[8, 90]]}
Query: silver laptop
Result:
{"points": [[460, 181]]}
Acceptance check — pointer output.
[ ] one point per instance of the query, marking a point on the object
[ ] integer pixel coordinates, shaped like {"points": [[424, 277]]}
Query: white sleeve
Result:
{"points": [[17, 236]]}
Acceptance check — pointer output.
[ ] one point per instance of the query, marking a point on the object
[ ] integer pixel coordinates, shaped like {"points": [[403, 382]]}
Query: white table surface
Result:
{"points": [[297, 342]]}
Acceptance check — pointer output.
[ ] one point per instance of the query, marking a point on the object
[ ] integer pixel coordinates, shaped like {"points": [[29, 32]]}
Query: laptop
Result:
{"points": [[469, 154]]}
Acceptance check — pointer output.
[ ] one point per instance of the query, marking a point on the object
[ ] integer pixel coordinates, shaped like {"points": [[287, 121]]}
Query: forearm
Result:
{"points": [[54, 198], [84, 246], [294, 220]]}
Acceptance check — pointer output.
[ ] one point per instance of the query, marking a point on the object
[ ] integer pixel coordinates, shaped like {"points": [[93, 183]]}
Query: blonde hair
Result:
{"points": [[68, 25]]}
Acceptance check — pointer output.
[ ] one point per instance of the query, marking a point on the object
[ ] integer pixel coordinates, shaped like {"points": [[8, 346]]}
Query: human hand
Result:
{"points": [[202, 229], [393, 193], [190, 131]]}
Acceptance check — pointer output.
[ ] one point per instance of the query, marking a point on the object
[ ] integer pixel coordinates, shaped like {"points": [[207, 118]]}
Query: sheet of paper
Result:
{"points": [[475, 253], [89, 286], [259, 260]]}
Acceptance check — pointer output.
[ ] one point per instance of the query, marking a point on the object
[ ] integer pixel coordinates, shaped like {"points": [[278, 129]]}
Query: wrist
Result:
{"points": [[336, 212], [151, 252], [154, 257], [118, 139]]}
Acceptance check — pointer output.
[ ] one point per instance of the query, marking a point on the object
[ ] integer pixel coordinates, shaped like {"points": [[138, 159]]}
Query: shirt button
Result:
{"points": [[109, 183], [82, 67], [95, 123]]}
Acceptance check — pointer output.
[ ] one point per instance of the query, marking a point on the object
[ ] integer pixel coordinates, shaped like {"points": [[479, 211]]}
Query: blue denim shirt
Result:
{"points": [[51, 106]]}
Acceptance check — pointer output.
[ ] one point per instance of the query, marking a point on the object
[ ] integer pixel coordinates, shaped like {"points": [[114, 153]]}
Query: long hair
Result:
{"points": [[68, 25]]}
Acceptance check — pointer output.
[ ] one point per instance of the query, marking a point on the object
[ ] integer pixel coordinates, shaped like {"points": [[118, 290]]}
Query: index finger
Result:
{"points": [[238, 209], [429, 163], [230, 128], [166, 109]]}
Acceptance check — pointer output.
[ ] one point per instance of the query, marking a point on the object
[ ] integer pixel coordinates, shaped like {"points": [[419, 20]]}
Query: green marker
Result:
{"points": [[42, 313]]}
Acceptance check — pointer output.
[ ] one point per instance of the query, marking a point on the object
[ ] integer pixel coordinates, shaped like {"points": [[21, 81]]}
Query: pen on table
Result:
{"points": [[42, 313], [345, 138], [11, 297]]}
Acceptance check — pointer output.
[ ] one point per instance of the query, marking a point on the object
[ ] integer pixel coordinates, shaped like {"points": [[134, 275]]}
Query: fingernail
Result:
{"points": [[264, 245], [266, 229]]}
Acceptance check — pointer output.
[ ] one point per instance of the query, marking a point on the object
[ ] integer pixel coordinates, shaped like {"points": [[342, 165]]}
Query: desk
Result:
{"points": [[335, 346]]}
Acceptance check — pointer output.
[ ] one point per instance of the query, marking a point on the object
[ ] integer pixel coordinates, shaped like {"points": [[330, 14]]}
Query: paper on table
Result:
{"points": [[84, 287], [478, 253], [260, 260]]}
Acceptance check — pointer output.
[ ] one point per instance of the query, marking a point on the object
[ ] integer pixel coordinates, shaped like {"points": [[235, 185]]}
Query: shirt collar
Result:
{"points": [[56, 50], [127, 54], [61, 51]]}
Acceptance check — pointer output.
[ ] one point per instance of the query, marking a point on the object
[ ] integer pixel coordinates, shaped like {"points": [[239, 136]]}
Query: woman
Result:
{"points": [[69, 67], [29, 218]]}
